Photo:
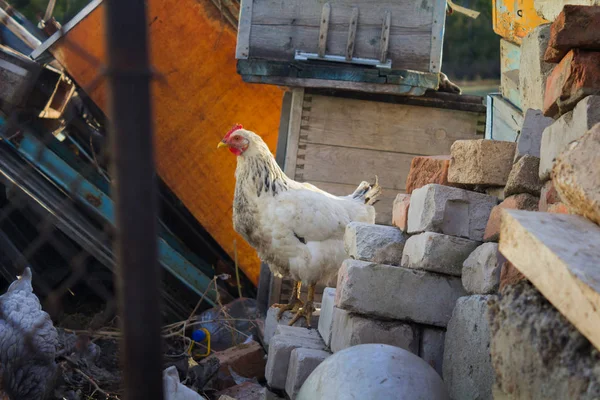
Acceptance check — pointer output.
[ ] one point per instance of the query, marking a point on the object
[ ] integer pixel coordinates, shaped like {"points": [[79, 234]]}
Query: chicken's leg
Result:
{"points": [[294, 304], [307, 309]]}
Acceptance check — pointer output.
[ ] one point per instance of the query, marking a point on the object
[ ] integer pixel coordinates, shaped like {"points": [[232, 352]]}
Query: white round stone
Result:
{"points": [[373, 371]]}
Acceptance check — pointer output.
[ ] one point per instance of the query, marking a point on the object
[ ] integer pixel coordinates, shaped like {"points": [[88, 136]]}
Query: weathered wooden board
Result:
{"points": [[510, 62], [560, 255], [281, 27], [504, 120]]}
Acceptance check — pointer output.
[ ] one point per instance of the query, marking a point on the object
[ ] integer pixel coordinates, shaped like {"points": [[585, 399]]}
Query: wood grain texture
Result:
{"points": [[202, 99], [559, 254]]}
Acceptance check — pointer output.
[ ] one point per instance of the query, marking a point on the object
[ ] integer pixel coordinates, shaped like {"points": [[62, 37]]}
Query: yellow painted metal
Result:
{"points": [[514, 19], [201, 97]]}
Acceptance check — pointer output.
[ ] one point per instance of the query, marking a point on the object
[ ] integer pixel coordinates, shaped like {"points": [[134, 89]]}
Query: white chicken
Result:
{"points": [[296, 228]]}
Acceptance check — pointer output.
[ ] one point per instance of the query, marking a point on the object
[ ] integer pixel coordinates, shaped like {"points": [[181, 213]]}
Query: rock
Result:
{"points": [[534, 71], [400, 211], [451, 211], [548, 196], [353, 329], [559, 208], [481, 272], [522, 201], [468, 372], [574, 28], [427, 169], [271, 323], [397, 293], [530, 139], [537, 353], [576, 176], [436, 252], [326, 318], [566, 129], [431, 348], [496, 191], [481, 162], [201, 374], [376, 243], [247, 360], [280, 351], [243, 391], [373, 371], [302, 363], [577, 76], [550, 9], [510, 275], [524, 177]]}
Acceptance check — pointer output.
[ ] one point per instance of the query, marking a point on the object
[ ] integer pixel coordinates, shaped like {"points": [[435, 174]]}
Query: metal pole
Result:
{"points": [[135, 197]]}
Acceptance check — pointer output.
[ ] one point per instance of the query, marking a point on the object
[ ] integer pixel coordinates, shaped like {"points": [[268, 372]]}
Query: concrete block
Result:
{"points": [[530, 139], [302, 363], [436, 252], [576, 176], [534, 71], [481, 162], [353, 329], [537, 353], [376, 243], [481, 272], [280, 351], [521, 201], [575, 28], [577, 76], [550, 9], [467, 366], [427, 169], [524, 177], [397, 293], [400, 211], [295, 331], [431, 348], [451, 211], [326, 318], [566, 129], [271, 323]]}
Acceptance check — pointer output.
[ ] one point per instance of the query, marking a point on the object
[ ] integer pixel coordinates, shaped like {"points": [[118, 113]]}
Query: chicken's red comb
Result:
{"points": [[235, 128]]}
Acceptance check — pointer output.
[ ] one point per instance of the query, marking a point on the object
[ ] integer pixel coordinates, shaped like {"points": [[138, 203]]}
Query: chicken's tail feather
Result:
{"points": [[367, 192]]}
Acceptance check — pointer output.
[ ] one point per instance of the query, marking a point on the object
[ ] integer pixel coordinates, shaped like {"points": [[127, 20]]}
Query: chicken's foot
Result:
{"points": [[294, 305], [308, 308]]}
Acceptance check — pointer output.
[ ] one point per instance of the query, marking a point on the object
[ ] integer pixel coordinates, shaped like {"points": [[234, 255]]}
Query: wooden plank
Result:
{"points": [[560, 255], [437, 36], [242, 49], [284, 126], [387, 127], [385, 37], [383, 207], [325, 12], [351, 166], [351, 34], [504, 121], [291, 152]]}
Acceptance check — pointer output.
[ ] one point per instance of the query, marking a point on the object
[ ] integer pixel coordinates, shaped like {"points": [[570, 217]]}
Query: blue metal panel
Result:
{"points": [[101, 204]]}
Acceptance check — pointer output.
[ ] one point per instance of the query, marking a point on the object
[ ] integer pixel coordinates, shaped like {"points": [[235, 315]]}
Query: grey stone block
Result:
{"points": [[436, 252], [271, 322], [448, 210], [299, 332], [524, 177], [569, 127], [278, 360], [353, 329], [431, 348], [302, 363], [533, 70], [468, 371], [376, 243], [326, 317], [397, 293], [530, 138], [481, 271]]}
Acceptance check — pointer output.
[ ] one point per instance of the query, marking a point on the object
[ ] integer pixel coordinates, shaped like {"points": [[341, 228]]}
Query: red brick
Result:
{"points": [[400, 211], [247, 360], [548, 196], [510, 275], [576, 27], [577, 76], [559, 208], [427, 169], [521, 201]]}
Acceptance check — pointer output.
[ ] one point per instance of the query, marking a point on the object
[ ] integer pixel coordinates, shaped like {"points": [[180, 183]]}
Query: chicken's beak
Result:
{"points": [[221, 144]]}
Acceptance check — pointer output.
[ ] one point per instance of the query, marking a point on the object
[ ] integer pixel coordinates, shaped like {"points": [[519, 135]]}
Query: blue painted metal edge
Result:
{"points": [[72, 182]]}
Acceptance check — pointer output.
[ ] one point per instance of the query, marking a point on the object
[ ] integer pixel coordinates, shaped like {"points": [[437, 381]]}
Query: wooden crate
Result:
{"points": [[367, 45], [514, 19], [336, 140]]}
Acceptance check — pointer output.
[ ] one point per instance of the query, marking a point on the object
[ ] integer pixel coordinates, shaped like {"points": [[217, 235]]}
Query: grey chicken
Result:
{"points": [[28, 342]]}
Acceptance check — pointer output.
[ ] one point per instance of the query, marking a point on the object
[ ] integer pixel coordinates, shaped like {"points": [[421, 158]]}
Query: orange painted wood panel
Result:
{"points": [[514, 19], [203, 96]]}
